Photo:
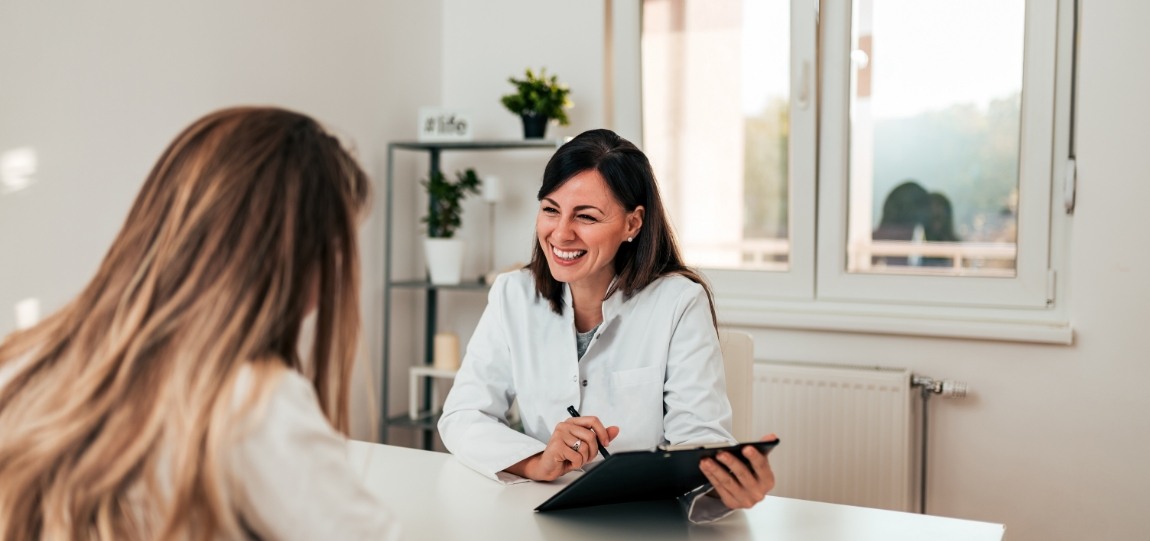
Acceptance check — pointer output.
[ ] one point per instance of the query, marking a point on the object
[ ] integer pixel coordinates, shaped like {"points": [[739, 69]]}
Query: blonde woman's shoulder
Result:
{"points": [[256, 382], [293, 477]]}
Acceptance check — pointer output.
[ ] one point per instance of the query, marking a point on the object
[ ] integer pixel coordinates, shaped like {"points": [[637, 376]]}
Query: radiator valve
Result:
{"points": [[945, 387]]}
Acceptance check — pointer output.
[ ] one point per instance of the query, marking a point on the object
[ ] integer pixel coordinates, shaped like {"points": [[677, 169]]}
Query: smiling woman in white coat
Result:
{"points": [[605, 318]]}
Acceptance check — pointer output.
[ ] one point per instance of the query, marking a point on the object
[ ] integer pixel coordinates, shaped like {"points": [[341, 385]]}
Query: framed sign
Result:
{"points": [[438, 125]]}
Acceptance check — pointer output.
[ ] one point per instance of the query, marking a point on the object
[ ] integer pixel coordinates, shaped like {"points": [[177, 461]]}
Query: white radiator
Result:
{"points": [[846, 433]]}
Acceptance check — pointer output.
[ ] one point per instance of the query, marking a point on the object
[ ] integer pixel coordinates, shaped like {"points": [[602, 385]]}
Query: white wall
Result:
{"points": [[568, 44], [99, 89]]}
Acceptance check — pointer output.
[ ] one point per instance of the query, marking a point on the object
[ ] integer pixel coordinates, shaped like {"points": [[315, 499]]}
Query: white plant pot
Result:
{"points": [[444, 260]]}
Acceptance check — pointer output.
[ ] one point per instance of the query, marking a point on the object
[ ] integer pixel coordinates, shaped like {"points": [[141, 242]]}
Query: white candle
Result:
{"points": [[492, 191], [446, 354]]}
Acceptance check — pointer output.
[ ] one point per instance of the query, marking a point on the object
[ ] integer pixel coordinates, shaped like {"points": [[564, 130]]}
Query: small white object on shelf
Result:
{"points": [[417, 373], [444, 260], [446, 354], [491, 189], [442, 125]]}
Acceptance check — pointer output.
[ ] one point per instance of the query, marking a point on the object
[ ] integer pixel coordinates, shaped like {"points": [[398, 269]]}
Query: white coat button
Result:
{"points": [[575, 379]]}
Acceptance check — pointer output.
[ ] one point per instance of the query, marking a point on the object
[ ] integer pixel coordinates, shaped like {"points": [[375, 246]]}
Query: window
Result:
{"points": [[934, 133], [868, 156], [727, 129]]}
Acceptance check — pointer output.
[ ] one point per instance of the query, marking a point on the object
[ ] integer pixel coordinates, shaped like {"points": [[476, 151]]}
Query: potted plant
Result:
{"points": [[538, 100], [444, 252]]}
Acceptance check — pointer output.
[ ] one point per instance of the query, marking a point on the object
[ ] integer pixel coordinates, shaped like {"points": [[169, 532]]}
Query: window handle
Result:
{"points": [[1069, 185]]}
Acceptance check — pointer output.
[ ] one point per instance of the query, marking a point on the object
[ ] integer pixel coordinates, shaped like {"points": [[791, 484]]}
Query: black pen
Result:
{"points": [[575, 413]]}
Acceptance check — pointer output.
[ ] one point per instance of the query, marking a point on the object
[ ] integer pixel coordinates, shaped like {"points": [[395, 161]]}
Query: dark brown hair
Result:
{"points": [[654, 252]]}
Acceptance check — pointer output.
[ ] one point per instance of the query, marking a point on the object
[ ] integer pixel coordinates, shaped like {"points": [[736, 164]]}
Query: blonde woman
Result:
{"points": [[168, 400]]}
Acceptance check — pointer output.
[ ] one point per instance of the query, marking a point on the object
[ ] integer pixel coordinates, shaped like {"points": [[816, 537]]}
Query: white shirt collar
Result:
{"points": [[611, 305]]}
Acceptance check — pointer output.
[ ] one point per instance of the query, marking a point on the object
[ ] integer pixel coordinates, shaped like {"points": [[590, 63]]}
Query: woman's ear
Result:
{"points": [[635, 221]]}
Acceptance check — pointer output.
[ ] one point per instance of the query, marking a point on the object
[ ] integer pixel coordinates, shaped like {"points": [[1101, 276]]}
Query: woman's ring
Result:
{"points": [[576, 446]]}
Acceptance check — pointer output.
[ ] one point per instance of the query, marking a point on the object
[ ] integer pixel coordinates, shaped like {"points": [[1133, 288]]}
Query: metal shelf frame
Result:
{"points": [[426, 422]]}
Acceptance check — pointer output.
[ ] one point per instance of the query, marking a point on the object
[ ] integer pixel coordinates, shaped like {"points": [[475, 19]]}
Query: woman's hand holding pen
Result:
{"points": [[573, 443], [740, 486]]}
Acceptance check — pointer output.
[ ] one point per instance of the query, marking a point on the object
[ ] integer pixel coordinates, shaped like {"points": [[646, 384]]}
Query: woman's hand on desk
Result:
{"points": [[740, 486], [573, 443]]}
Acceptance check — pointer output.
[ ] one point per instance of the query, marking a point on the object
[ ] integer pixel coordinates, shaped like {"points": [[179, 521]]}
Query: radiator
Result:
{"points": [[846, 433]]}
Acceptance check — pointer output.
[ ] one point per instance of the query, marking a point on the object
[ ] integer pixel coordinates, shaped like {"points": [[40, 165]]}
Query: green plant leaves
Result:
{"points": [[445, 210], [539, 95]]}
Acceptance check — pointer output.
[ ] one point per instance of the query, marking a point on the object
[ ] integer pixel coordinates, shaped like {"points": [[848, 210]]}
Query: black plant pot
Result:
{"points": [[534, 126]]}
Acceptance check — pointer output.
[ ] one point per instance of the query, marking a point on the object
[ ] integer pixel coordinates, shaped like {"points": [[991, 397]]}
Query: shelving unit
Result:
{"points": [[425, 419]]}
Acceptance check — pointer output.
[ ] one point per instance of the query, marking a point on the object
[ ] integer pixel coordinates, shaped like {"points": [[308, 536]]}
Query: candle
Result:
{"points": [[492, 191], [446, 354]]}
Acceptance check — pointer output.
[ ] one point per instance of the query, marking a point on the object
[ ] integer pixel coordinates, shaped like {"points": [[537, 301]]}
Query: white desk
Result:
{"points": [[438, 498]]}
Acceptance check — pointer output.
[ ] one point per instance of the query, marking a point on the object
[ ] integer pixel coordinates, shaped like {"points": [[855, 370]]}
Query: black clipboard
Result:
{"points": [[632, 476]]}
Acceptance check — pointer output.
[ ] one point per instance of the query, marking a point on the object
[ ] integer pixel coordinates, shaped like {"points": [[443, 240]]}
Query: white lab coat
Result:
{"points": [[653, 368]]}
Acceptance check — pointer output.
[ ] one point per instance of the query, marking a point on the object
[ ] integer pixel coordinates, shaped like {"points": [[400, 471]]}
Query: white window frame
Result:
{"points": [[798, 281], [816, 293], [1029, 288]]}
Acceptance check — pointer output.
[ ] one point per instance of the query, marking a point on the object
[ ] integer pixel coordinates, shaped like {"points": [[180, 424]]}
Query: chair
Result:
{"points": [[739, 359]]}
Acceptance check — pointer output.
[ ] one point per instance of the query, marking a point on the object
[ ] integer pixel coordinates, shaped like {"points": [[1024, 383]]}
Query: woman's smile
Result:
{"points": [[567, 257]]}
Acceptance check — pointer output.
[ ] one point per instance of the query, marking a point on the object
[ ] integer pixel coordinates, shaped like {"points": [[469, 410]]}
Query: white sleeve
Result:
{"points": [[474, 425], [293, 476], [695, 391], [695, 395]]}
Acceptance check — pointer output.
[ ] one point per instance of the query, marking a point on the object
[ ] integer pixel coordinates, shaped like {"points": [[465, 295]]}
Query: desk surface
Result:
{"points": [[436, 497]]}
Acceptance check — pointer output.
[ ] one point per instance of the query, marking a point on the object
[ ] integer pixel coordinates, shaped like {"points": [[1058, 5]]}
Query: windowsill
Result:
{"points": [[1031, 326]]}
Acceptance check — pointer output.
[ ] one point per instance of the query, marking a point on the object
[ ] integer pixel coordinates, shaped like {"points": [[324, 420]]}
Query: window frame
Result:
{"points": [[1029, 287], [798, 281], [823, 298]]}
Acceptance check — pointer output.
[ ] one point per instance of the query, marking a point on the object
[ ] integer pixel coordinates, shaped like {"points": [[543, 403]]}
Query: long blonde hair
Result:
{"points": [[248, 217]]}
